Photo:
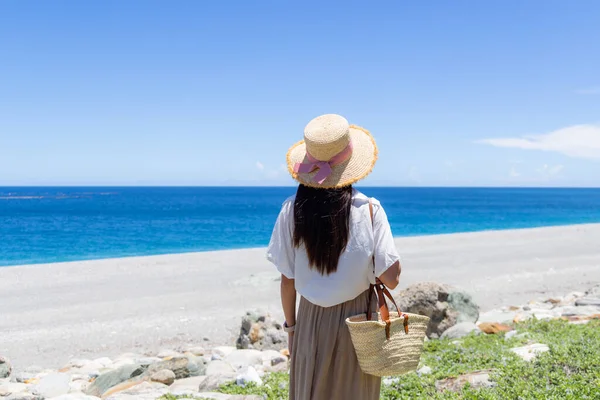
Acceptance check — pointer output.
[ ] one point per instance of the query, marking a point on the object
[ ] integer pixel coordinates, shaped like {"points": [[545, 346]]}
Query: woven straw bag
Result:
{"points": [[385, 344]]}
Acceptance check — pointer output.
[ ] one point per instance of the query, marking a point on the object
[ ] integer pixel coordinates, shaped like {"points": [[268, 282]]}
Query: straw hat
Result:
{"points": [[333, 153]]}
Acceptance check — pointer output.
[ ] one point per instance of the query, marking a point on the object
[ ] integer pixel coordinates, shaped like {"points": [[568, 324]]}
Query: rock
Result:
{"points": [[285, 352], [53, 385], [460, 330], [223, 351], [424, 370], [182, 367], [10, 388], [22, 377], [78, 386], [75, 396], [588, 301], [5, 367], [444, 305], [260, 331], [187, 384], [244, 358], [213, 382], [493, 328], [197, 351], [531, 351], [140, 391], [145, 361], [112, 378], [248, 375], [24, 396], [219, 367], [167, 354], [510, 334], [498, 316], [578, 311], [164, 376], [476, 380]]}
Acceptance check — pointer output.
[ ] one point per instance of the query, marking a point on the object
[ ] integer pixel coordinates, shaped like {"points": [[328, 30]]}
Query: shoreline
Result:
{"points": [[54, 312], [264, 247]]}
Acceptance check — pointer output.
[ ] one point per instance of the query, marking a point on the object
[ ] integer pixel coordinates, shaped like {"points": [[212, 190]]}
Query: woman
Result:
{"points": [[324, 243]]}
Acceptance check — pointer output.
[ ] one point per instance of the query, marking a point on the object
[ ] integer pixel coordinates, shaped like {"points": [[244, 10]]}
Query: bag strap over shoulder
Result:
{"points": [[382, 292]]}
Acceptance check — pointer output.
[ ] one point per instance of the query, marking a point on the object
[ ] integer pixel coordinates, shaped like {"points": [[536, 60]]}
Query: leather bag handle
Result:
{"points": [[382, 292]]}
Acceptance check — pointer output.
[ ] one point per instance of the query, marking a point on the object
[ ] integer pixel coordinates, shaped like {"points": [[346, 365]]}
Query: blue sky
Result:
{"points": [[494, 93]]}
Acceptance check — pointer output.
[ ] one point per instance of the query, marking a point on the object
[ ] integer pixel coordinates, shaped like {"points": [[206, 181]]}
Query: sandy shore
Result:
{"points": [[51, 313]]}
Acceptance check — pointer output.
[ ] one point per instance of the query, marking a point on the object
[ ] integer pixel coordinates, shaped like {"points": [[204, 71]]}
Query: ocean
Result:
{"points": [[52, 224]]}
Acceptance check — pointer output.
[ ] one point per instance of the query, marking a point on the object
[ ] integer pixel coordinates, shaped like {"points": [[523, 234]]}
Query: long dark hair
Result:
{"points": [[322, 224]]}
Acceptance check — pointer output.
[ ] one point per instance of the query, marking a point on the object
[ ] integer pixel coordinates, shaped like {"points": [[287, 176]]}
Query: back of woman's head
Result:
{"points": [[322, 225]]}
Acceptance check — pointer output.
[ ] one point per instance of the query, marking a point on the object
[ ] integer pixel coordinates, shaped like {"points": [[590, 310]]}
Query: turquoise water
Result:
{"points": [[40, 225]]}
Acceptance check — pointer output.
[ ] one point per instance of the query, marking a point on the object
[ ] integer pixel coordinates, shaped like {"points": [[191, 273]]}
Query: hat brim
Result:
{"points": [[357, 167]]}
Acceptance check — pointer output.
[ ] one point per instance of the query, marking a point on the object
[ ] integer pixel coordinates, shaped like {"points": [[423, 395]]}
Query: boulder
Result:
{"points": [[112, 378], [75, 396], [5, 367], [187, 385], [213, 382], [53, 385], [140, 391], [493, 328], [7, 389], [196, 350], [588, 301], [461, 330], [260, 331], [182, 367], [531, 351], [165, 376], [248, 375], [23, 396], [476, 380], [443, 304], [244, 358], [219, 367]]}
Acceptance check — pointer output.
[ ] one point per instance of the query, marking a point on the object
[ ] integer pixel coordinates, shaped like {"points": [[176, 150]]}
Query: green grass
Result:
{"points": [[570, 370]]}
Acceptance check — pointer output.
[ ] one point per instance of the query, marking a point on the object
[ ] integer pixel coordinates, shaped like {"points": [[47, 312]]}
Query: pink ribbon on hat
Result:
{"points": [[323, 166]]}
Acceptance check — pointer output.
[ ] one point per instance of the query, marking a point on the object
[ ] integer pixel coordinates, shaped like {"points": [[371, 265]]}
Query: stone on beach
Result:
{"points": [[12, 387], [244, 358], [182, 367], [476, 380], [164, 376], [248, 375], [260, 331], [140, 391], [443, 304], [531, 351], [75, 396], [112, 378], [493, 328], [5, 367], [53, 385], [461, 330]]}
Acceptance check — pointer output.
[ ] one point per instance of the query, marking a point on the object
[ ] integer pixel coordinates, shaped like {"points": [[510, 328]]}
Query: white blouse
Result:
{"points": [[355, 269]]}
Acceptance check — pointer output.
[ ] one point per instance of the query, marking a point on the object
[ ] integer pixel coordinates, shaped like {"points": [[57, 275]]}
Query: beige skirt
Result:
{"points": [[324, 364]]}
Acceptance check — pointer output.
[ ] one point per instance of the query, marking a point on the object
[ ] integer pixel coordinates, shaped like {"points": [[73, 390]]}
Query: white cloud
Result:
{"points": [[581, 141], [590, 90], [260, 166], [513, 173], [550, 171]]}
